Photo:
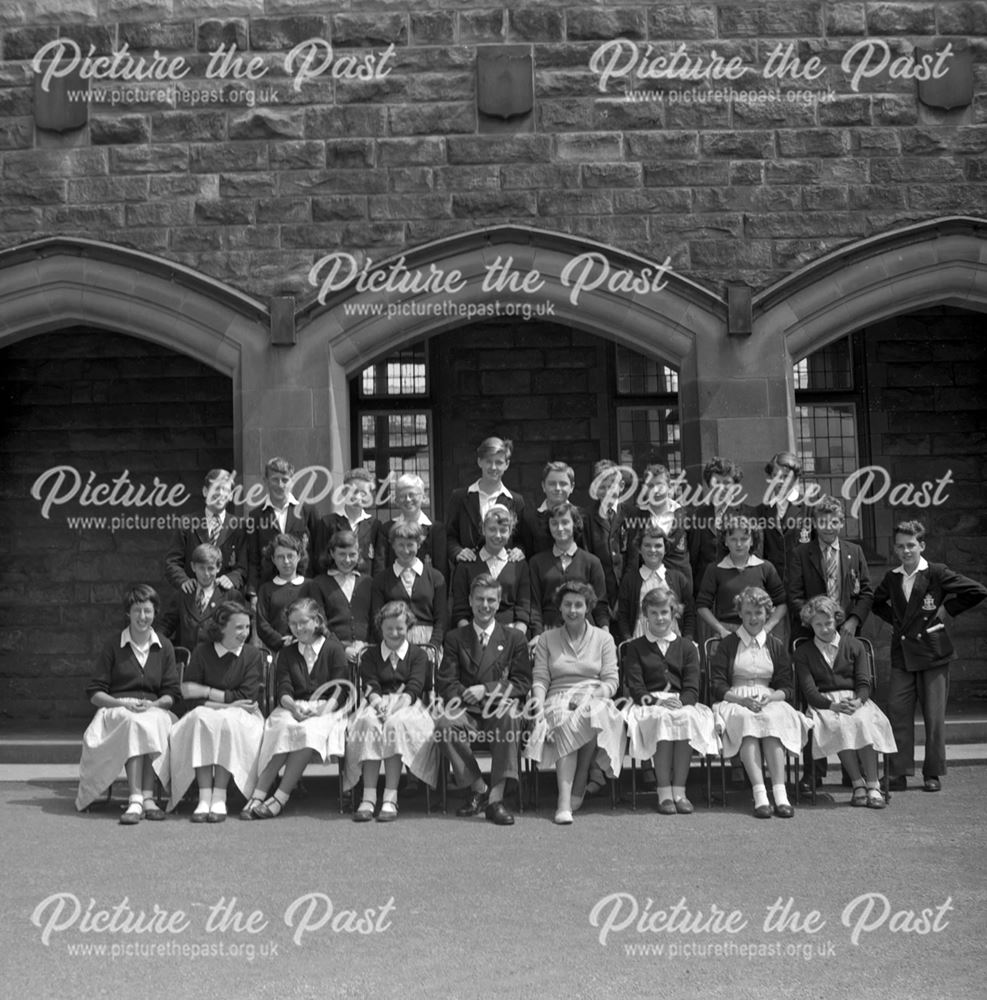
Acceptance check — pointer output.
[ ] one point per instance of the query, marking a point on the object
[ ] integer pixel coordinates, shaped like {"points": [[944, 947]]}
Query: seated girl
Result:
{"points": [[493, 559], [409, 495], [666, 721], [834, 674], [133, 690], [344, 594], [639, 581], [392, 725], [408, 579], [574, 679], [290, 557], [218, 740], [753, 687], [564, 562], [312, 686], [739, 569]]}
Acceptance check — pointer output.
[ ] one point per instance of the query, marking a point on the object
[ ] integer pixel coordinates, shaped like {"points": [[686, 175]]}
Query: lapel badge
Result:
{"points": [[804, 536], [929, 603], [500, 649]]}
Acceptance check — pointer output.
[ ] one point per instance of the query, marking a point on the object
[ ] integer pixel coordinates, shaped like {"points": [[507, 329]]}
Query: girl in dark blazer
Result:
{"points": [[392, 724], [409, 580], [511, 574], [344, 594], [311, 688], [563, 563], [835, 677], [642, 579]]}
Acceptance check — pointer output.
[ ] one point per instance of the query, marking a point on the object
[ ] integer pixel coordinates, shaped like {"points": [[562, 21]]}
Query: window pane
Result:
{"points": [[827, 448], [827, 368], [395, 443], [641, 376], [649, 434], [402, 374]]}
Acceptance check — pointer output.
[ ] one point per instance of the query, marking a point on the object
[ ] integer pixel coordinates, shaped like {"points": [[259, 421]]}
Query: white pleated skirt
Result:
{"points": [[325, 734], [649, 725], [777, 718], [112, 738], [564, 730], [408, 733], [229, 736], [834, 731]]}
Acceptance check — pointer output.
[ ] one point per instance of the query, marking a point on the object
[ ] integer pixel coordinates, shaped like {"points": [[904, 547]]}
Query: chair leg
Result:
{"points": [[633, 785]]}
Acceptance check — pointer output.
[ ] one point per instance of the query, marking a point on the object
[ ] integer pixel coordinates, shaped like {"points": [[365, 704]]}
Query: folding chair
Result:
{"points": [[703, 760], [791, 760], [803, 704]]}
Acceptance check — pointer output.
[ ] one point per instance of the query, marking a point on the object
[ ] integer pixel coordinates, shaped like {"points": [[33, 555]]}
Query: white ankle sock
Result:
{"points": [[760, 795], [780, 794]]}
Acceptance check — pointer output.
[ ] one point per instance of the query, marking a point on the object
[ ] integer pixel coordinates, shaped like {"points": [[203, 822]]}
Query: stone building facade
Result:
{"points": [[767, 240]]}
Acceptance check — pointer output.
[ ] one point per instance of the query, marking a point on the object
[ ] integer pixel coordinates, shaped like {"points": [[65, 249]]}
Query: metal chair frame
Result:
{"points": [[792, 760], [872, 670]]}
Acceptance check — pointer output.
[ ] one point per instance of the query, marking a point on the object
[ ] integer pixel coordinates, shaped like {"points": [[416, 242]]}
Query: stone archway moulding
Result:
{"points": [[53, 283], [663, 323], [938, 262]]}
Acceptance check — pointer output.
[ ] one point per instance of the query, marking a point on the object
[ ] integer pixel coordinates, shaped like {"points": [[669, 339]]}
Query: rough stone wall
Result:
{"points": [[254, 196]]}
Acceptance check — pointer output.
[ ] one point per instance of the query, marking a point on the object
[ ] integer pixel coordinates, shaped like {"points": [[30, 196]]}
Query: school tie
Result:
{"points": [[215, 527], [408, 580], [200, 600], [832, 573], [394, 662]]}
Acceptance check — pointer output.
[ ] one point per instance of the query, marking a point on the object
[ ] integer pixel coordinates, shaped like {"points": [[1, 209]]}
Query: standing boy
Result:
{"points": [[915, 598], [215, 528]]}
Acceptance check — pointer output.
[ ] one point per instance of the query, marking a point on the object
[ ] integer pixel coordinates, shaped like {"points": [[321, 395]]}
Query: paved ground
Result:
{"points": [[441, 907]]}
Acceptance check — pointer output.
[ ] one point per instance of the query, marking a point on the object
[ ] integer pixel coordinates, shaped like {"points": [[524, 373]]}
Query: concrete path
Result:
{"points": [[313, 905]]}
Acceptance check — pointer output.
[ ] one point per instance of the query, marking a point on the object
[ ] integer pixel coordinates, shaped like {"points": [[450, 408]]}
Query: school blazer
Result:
{"points": [[515, 591], [646, 669], [850, 671], [302, 521], [184, 623], [913, 645], [807, 579], [433, 551], [780, 536], [629, 602], [534, 534], [606, 541], [721, 667], [464, 530], [428, 600], [232, 543], [369, 540], [503, 668], [378, 677]]}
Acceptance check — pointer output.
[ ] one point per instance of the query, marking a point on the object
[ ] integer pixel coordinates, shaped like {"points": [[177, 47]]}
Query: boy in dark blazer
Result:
{"points": [[467, 507], [604, 529], [357, 516], [280, 513], [185, 621], [218, 528], [484, 678], [915, 598]]}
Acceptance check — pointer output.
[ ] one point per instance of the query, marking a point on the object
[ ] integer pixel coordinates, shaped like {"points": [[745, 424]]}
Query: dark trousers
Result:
{"points": [[930, 688], [499, 734]]}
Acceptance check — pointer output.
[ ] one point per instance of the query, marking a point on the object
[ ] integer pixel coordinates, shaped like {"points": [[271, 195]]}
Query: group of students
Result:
{"points": [[543, 601]]}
